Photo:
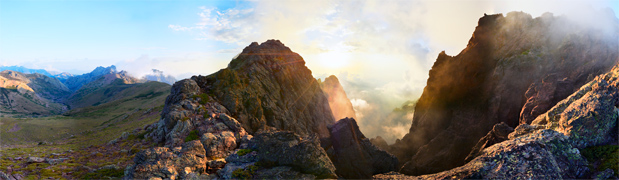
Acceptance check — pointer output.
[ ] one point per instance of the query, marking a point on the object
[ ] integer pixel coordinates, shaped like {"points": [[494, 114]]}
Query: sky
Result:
{"points": [[380, 50]]}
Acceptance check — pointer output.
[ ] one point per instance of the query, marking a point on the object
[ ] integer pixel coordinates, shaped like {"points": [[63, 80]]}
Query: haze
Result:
{"points": [[380, 50]]}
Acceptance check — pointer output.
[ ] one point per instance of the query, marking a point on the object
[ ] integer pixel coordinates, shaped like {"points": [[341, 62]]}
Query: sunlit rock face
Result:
{"points": [[338, 101], [513, 69]]}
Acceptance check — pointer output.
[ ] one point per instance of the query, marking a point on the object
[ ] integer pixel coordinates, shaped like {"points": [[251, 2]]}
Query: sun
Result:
{"points": [[334, 59]]}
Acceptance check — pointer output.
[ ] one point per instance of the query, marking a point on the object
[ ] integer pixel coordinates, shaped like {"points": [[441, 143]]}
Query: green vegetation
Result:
{"points": [[104, 173], [607, 156], [526, 52], [193, 135], [204, 98], [242, 152], [244, 173]]}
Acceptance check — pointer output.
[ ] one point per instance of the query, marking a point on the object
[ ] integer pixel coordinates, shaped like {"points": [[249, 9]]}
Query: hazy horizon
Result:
{"points": [[380, 51]]}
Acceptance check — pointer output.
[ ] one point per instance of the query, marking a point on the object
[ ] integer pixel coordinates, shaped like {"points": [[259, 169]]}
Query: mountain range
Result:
{"points": [[38, 92], [526, 99]]}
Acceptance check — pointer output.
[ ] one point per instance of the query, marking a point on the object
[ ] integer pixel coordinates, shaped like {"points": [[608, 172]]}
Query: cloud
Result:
{"points": [[391, 45]]}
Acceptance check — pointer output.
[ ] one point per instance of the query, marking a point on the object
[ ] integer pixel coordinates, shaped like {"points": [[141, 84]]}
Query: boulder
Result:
{"points": [[284, 148], [35, 160]]}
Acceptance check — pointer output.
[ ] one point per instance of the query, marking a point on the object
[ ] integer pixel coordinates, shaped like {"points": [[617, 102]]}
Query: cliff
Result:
{"points": [[513, 69], [338, 101]]}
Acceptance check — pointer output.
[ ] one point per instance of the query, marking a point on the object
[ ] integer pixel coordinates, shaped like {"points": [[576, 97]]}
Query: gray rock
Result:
{"points": [[35, 160], [288, 149]]}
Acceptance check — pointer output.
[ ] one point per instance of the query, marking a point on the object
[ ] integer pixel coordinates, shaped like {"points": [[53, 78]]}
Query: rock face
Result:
{"points": [[499, 133], [353, 155], [338, 101], [549, 148], [279, 154], [513, 69]]}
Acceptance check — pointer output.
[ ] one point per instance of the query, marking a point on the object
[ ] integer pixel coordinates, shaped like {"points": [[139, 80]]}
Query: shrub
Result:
{"points": [[193, 135], [204, 98], [245, 173], [242, 152]]}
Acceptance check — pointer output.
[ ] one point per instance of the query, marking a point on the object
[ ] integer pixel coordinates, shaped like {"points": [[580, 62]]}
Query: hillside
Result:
{"points": [[105, 88], [34, 94]]}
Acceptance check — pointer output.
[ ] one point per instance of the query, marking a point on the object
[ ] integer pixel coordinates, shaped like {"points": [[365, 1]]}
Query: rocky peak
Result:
{"points": [[513, 69], [266, 86], [338, 101], [272, 55]]}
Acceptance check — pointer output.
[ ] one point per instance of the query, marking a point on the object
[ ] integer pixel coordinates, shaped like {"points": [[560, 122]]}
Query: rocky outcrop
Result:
{"points": [[545, 154], [589, 117], [549, 148], [265, 88], [353, 155], [165, 163], [513, 69], [279, 154], [267, 85], [499, 133], [338, 101]]}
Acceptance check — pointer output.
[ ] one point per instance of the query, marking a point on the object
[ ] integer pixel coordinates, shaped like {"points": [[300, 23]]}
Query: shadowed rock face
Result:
{"points": [[338, 101], [513, 69], [549, 148], [353, 155]]}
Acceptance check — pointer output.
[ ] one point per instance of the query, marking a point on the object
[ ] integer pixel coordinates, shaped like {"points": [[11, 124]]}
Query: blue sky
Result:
{"points": [[86, 34], [386, 47]]}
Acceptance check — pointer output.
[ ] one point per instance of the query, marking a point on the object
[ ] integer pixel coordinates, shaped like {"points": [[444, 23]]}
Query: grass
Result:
{"points": [[204, 98], [193, 135], [86, 132], [104, 174], [605, 157], [243, 152]]}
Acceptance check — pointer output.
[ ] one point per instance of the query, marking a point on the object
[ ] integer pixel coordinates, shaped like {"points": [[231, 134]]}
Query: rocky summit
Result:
{"points": [[264, 116], [514, 69], [338, 101]]}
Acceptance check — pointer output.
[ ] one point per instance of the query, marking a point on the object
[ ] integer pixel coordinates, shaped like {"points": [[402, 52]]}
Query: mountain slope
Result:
{"points": [[104, 89], [513, 69], [76, 82], [34, 94]]}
